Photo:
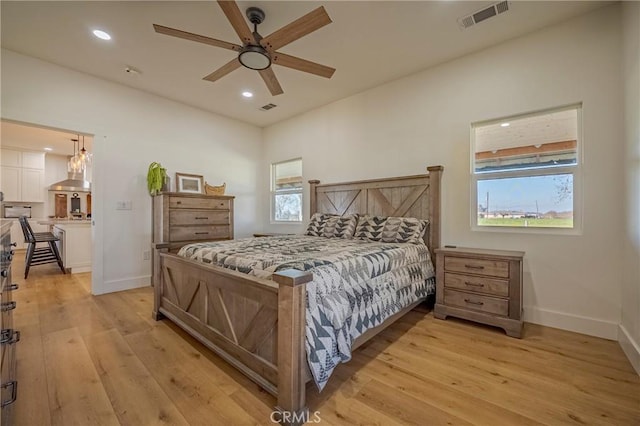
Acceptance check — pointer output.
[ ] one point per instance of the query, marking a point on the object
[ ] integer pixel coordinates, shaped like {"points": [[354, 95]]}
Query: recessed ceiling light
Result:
{"points": [[247, 94], [505, 125], [101, 34], [48, 149]]}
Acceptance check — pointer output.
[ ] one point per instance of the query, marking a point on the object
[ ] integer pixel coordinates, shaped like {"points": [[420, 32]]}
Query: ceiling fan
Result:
{"points": [[257, 52]]}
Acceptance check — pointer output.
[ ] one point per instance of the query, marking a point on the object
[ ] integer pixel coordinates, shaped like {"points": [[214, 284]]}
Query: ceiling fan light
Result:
{"points": [[254, 57]]}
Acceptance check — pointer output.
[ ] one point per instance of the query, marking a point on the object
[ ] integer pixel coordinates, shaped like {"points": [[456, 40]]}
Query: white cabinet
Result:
{"points": [[32, 185], [16, 234], [33, 160], [11, 158], [11, 183], [22, 174]]}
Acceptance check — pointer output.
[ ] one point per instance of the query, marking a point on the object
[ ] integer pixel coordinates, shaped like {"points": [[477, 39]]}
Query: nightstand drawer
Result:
{"points": [[494, 268], [477, 284], [488, 304]]}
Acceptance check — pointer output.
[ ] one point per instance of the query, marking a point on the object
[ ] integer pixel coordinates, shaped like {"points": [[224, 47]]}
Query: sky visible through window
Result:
{"points": [[552, 193]]}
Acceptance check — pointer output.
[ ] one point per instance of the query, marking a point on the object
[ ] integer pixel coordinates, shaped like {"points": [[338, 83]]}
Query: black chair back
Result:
{"points": [[26, 230]]}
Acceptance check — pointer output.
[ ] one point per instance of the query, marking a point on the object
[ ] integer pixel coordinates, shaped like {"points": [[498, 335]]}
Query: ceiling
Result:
{"points": [[38, 138], [369, 43]]}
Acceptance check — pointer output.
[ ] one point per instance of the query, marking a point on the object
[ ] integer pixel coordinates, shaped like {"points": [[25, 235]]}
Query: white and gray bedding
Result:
{"points": [[356, 284]]}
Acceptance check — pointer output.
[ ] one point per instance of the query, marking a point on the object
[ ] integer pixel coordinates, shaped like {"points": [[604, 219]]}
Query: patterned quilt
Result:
{"points": [[356, 284]]}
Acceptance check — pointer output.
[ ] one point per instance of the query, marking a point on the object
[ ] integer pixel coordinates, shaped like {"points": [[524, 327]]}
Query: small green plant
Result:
{"points": [[155, 178]]}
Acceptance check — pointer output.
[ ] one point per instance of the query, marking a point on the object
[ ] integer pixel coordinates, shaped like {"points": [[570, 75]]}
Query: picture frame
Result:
{"points": [[189, 184]]}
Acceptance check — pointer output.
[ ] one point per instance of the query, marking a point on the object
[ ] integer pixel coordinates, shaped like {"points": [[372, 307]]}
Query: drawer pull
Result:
{"points": [[14, 392], [7, 306], [13, 286], [178, 202], [471, 302], [474, 267], [202, 217], [474, 284], [4, 273], [201, 233], [9, 336]]}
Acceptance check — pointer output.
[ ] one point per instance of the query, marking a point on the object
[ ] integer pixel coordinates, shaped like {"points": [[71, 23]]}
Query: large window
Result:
{"points": [[286, 191], [525, 170]]}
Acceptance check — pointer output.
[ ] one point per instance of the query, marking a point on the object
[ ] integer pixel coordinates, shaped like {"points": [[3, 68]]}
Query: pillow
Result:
{"points": [[331, 225], [340, 226], [391, 229], [316, 224]]}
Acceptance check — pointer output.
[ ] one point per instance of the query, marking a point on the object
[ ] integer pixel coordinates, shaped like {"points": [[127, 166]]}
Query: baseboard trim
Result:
{"points": [[576, 323], [630, 347], [123, 284]]}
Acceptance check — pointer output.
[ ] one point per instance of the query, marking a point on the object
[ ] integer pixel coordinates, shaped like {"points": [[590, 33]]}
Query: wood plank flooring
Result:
{"points": [[86, 360]]}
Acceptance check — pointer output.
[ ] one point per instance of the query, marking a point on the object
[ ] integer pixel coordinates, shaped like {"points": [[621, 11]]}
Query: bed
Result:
{"points": [[252, 309]]}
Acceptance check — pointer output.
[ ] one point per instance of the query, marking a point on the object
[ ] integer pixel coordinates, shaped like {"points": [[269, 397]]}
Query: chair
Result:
{"points": [[39, 255]]}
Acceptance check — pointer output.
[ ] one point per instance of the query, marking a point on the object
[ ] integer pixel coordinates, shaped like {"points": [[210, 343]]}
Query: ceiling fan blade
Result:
{"points": [[223, 70], [236, 18], [196, 37], [302, 65], [307, 24], [271, 81]]}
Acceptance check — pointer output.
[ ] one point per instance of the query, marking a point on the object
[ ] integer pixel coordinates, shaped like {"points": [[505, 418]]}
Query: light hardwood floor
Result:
{"points": [[86, 360]]}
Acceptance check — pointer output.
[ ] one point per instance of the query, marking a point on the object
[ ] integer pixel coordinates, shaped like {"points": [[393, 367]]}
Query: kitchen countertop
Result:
{"points": [[52, 222]]}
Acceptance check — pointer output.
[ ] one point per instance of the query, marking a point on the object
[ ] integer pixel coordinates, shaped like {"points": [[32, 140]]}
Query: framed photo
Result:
{"points": [[191, 184]]}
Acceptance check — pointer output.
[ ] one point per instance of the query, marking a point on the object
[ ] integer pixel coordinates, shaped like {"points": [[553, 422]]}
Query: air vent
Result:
{"points": [[267, 107], [483, 14]]}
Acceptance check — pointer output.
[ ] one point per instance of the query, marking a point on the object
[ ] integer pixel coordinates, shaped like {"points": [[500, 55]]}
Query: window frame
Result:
{"points": [[575, 170], [274, 192]]}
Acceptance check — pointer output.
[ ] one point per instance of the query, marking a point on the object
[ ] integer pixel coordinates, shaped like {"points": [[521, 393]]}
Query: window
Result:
{"points": [[525, 170], [286, 191]]}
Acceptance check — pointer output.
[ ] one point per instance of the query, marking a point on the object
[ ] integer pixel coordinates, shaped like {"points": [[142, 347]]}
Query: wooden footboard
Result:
{"points": [[257, 325]]}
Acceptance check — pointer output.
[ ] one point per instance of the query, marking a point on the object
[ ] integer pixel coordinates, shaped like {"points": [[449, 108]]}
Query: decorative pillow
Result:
{"points": [[391, 229], [340, 226], [316, 224], [332, 226]]}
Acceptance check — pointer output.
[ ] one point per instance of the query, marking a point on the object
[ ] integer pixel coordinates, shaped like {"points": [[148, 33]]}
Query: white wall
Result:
{"points": [[399, 128], [630, 327], [133, 128]]}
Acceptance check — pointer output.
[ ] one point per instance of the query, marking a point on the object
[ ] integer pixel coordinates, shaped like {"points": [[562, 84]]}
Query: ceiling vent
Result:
{"points": [[267, 107], [483, 14]]}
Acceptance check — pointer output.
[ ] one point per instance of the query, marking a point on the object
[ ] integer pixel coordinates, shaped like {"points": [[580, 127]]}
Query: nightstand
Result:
{"points": [[480, 285]]}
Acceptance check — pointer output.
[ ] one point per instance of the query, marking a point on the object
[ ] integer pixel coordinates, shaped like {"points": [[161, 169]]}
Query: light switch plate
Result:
{"points": [[123, 205]]}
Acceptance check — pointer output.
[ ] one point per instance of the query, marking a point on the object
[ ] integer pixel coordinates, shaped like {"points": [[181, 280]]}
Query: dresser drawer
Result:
{"points": [[199, 217], [186, 233], [492, 305], [198, 203], [494, 268], [477, 284]]}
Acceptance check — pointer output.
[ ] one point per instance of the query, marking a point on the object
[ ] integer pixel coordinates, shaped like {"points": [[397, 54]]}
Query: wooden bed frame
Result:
{"points": [[258, 325]]}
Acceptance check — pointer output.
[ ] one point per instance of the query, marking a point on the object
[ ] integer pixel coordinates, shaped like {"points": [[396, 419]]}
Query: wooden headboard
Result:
{"points": [[409, 196]]}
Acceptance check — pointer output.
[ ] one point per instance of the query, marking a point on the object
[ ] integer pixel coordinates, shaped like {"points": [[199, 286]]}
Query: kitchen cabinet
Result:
{"points": [[33, 185], [12, 183], [22, 175], [16, 234], [10, 158]]}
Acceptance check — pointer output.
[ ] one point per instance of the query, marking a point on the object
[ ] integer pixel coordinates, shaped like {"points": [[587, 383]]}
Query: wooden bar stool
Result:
{"points": [[39, 255]]}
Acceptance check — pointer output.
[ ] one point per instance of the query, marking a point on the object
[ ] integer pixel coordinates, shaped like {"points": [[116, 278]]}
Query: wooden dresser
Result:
{"points": [[480, 285], [180, 218]]}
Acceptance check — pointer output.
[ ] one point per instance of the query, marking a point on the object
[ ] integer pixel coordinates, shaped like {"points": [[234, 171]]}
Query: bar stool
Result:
{"points": [[39, 255]]}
